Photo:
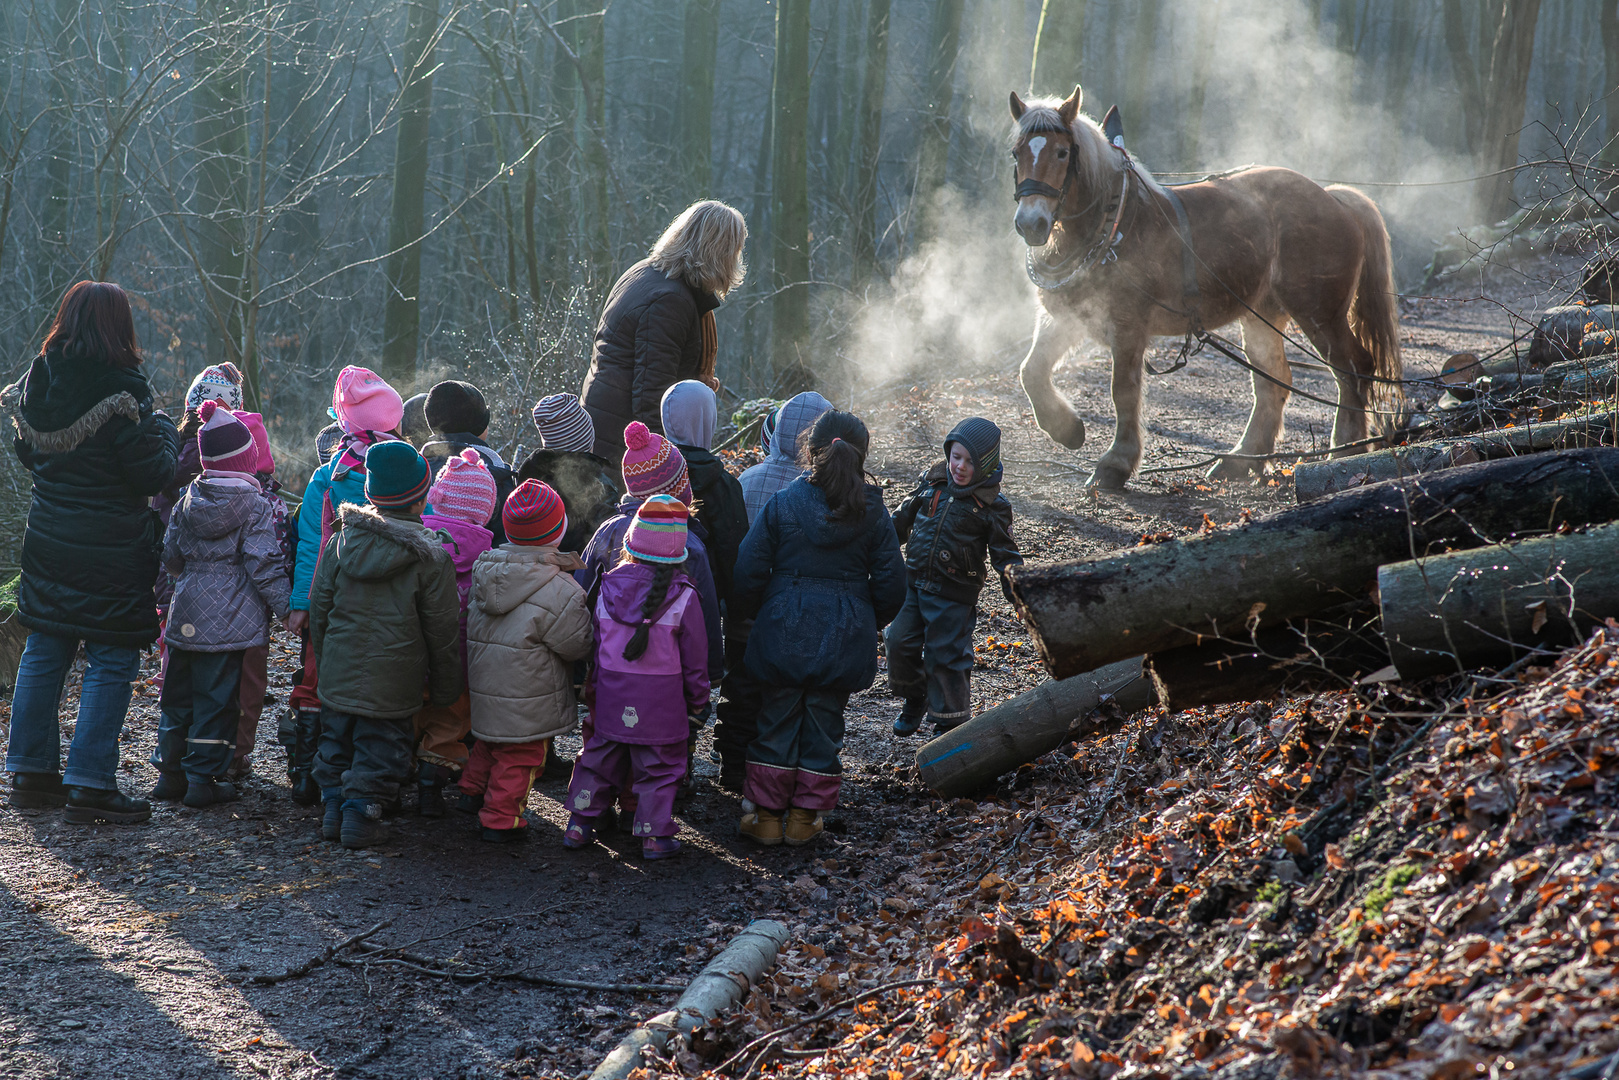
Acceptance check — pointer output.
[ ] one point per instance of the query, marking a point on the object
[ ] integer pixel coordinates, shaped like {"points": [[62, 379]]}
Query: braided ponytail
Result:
{"points": [[836, 457], [656, 593]]}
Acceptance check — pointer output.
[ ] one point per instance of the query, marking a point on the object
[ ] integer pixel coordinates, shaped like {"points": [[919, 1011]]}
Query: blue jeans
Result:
{"points": [[36, 733]]}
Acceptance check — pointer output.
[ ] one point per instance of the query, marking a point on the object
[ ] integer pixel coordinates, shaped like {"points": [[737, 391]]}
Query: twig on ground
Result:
{"points": [[766, 1040], [319, 958], [428, 965]]}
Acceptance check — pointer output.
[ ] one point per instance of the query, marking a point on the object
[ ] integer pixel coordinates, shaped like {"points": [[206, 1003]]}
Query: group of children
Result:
{"points": [[453, 611]]}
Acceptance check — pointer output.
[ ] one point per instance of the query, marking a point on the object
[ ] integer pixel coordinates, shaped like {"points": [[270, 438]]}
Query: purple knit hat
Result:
{"points": [[224, 444], [464, 490], [653, 465]]}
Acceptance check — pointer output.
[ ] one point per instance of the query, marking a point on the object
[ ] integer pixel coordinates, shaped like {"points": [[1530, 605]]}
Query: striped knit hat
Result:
{"points": [[216, 382], [395, 474], [224, 444], [983, 441], [564, 424], [534, 515], [653, 465], [464, 490], [767, 429], [658, 533]]}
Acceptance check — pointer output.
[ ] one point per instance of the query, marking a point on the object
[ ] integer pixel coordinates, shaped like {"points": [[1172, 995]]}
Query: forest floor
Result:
{"points": [[133, 952]]}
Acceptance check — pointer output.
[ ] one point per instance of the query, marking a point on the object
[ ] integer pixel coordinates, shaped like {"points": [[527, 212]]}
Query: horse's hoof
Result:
{"points": [[1108, 478], [1068, 433], [1231, 469]]}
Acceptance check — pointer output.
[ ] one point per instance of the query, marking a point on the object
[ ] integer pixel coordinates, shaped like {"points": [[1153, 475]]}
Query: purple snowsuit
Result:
{"points": [[639, 708]]}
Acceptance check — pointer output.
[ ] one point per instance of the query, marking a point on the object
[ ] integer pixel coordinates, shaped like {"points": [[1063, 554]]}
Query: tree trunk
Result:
{"points": [[1506, 95], [933, 150], [1015, 732], [841, 149], [1141, 72], [1327, 651], [55, 218], [698, 49], [1059, 45], [1295, 562], [1320, 478], [789, 209], [869, 151], [1491, 606], [401, 319], [220, 127], [1464, 70], [1191, 123], [593, 59], [1610, 69], [561, 215], [1401, 64]]}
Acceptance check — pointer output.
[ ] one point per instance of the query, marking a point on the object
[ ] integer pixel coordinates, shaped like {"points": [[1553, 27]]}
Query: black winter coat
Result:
{"points": [[588, 486], [720, 510], [826, 589], [97, 451], [946, 535], [649, 338]]}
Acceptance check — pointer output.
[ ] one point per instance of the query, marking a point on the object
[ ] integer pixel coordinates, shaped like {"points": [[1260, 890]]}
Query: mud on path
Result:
{"points": [[131, 952]]}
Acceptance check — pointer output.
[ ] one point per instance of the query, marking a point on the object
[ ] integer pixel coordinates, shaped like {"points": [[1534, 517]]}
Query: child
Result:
{"points": [[226, 563], [950, 521], [458, 417], [823, 569], [256, 660], [461, 500], [367, 411], [781, 465], [382, 614], [589, 486], [650, 677], [527, 624]]}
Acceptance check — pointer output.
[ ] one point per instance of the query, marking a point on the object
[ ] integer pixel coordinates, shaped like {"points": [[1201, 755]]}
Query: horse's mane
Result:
{"points": [[1094, 160]]}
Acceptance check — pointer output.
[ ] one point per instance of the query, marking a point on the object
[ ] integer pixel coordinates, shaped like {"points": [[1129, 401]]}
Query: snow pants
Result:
{"points": [[255, 680], [930, 655], [794, 760], [440, 730], [367, 757], [737, 714], [200, 713], [503, 773], [652, 773]]}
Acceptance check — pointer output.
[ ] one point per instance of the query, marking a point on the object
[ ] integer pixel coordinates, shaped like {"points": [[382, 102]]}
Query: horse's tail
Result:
{"points": [[1374, 318]]}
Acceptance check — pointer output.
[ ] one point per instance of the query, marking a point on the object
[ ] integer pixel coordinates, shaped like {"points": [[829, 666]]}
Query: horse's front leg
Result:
{"points": [[1052, 412], [1122, 458]]}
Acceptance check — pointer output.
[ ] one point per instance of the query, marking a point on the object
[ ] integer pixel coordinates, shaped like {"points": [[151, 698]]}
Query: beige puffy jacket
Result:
{"points": [[527, 622]]}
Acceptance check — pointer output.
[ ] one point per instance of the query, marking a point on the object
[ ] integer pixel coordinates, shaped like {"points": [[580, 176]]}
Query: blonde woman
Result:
{"points": [[658, 326]]}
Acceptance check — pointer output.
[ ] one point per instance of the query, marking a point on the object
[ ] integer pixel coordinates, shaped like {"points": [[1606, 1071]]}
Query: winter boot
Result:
{"points": [[305, 792], [950, 699], [578, 833], [660, 847], [89, 805], [362, 823], [911, 717], [171, 786], [430, 780], [469, 803], [504, 836], [37, 790], [760, 825], [286, 733], [802, 826], [331, 823], [201, 793], [240, 769]]}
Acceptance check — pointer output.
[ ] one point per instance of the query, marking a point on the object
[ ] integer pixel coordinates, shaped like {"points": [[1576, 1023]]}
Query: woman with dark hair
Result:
{"points": [[822, 566], [98, 452]]}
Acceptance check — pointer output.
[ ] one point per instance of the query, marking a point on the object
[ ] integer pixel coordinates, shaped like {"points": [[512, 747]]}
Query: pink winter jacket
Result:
{"points": [[646, 700]]}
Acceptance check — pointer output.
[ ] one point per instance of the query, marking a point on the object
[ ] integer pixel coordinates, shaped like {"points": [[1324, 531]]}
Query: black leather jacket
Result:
{"points": [[947, 533]]}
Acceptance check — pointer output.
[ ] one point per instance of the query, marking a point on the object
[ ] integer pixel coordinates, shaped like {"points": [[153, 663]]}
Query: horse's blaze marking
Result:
{"points": [[1036, 144]]}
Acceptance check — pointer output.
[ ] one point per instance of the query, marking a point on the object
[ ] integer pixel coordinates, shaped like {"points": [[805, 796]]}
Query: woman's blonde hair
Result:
{"points": [[703, 247]]}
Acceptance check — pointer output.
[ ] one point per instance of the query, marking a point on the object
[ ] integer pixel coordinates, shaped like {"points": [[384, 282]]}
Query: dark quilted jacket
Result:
{"points": [[229, 571], [649, 338], [97, 452], [947, 534]]}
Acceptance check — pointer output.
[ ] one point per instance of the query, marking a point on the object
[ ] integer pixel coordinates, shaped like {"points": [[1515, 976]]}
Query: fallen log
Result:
{"points": [[1561, 332], [1328, 651], [1015, 732], [1493, 605], [1314, 479], [1280, 566]]}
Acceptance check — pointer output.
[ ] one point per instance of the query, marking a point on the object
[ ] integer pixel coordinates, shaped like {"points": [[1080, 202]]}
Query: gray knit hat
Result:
{"points": [[564, 424]]}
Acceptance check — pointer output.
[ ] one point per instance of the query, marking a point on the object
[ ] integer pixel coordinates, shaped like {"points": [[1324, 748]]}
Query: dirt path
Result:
{"points": [[130, 952]]}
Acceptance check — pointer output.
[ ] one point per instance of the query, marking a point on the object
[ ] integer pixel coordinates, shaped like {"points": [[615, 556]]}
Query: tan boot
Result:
{"points": [[760, 825], [802, 826]]}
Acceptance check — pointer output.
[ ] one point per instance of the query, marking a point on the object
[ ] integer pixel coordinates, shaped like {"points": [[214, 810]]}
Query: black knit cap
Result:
{"points": [[457, 406], [983, 441]]}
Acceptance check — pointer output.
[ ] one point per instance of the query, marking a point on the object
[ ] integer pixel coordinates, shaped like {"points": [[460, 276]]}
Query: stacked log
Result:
{"points": [[1293, 563]]}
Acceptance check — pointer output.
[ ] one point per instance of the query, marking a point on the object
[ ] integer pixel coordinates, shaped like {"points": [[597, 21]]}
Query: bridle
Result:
{"points": [[1064, 271]]}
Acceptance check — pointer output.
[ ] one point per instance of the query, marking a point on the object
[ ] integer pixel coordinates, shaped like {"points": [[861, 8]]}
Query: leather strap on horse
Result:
{"points": [[1189, 293]]}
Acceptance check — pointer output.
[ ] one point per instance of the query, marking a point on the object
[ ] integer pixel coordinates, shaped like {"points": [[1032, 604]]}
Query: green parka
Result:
{"points": [[384, 615]]}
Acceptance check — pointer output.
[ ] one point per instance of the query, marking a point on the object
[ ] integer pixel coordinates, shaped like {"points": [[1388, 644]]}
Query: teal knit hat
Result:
{"points": [[395, 475]]}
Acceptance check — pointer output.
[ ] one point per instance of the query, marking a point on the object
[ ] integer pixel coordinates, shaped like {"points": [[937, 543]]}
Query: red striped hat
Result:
{"points": [[658, 533], [534, 515]]}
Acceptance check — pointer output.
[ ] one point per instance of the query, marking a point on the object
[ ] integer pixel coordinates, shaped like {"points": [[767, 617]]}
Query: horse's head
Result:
{"points": [[1043, 156]]}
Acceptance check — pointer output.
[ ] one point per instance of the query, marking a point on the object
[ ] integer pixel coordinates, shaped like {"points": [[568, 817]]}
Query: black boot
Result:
{"points": [[362, 823], [37, 790], [305, 792], [201, 793], [286, 733], [171, 786], [430, 790], [88, 806], [911, 717]]}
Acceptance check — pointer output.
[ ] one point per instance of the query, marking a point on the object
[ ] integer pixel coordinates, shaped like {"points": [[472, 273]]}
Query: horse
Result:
{"points": [[1113, 249]]}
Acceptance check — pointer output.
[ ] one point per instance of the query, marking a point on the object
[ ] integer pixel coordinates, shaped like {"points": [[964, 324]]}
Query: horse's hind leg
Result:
{"points": [[1053, 412], [1262, 341], [1350, 362]]}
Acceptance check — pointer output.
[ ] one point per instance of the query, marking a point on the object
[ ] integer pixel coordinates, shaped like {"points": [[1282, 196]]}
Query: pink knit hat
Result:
{"points": [[363, 401], [224, 444], [261, 439], [653, 465], [658, 533], [464, 490]]}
